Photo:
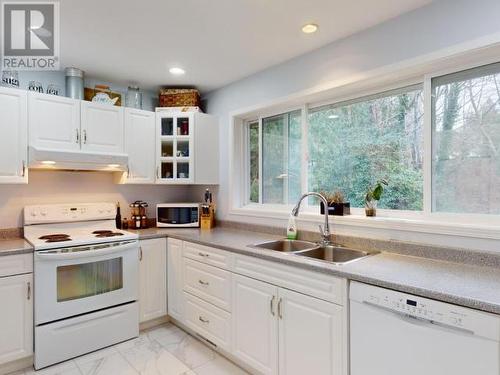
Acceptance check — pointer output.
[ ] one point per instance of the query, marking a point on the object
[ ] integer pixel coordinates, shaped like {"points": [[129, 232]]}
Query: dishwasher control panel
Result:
{"points": [[438, 312]]}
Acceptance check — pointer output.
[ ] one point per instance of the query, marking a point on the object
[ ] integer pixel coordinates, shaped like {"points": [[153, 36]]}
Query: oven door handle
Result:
{"points": [[51, 255]]}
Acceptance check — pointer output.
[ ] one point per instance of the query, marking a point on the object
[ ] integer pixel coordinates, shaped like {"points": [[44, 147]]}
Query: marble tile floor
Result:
{"points": [[163, 350]]}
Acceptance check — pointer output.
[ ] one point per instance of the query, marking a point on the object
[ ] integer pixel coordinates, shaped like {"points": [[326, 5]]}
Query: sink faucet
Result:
{"points": [[324, 231]]}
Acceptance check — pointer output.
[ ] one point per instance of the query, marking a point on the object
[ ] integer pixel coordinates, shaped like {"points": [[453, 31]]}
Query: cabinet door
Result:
{"points": [[255, 324], [54, 122], [13, 136], [140, 146], [175, 148], [175, 280], [16, 325], [102, 128], [153, 279], [311, 335]]}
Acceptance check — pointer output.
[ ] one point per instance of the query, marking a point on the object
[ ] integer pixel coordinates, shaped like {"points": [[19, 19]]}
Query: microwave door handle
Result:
{"points": [[50, 255]]}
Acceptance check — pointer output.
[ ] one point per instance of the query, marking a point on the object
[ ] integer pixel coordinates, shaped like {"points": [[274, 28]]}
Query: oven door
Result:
{"points": [[77, 280]]}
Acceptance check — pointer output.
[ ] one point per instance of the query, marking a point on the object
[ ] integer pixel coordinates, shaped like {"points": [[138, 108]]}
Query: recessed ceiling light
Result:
{"points": [[176, 71], [310, 28], [333, 116], [48, 162], [113, 165]]}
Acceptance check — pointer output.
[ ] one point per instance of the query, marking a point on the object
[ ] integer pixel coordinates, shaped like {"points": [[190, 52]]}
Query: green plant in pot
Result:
{"points": [[373, 195], [336, 204]]}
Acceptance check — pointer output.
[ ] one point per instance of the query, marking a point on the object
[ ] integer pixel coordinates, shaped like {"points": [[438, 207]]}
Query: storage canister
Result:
{"points": [[74, 83]]}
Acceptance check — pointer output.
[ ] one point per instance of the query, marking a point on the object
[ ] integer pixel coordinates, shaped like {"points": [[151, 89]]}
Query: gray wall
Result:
{"points": [[439, 25]]}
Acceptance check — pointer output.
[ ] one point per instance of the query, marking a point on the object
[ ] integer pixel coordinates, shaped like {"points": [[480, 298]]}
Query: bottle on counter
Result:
{"points": [[118, 218]]}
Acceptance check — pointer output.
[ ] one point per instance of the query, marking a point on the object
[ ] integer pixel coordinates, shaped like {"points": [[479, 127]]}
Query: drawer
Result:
{"points": [[208, 255], [208, 283], [325, 287], [209, 321], [16, 264]]}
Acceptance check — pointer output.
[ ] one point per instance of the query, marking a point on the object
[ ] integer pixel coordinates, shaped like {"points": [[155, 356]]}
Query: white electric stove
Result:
{"points": [[86, 279]]}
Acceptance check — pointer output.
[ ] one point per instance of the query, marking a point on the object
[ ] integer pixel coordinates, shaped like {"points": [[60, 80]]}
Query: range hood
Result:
{"points": [[40, 158]]}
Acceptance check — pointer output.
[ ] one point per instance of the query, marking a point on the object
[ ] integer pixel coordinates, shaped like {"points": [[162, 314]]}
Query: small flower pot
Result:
{"points": [[371, 208], [336, 209]]}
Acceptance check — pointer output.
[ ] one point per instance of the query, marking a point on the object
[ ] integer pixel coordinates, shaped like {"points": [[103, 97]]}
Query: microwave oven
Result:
{"points": [[178, 215]]}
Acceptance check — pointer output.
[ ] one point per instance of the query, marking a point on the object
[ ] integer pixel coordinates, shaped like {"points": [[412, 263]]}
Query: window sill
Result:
{"points": [[415, 222]]}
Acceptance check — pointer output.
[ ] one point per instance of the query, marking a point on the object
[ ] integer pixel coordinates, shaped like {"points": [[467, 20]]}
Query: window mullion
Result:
{"points": [[427, 163], [286, 159], [261, 177], [304, 172]]}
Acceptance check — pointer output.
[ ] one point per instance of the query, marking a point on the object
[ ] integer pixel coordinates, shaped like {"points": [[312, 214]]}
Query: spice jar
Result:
{"points": [[125, 223], [137, 222], [144, 222]]}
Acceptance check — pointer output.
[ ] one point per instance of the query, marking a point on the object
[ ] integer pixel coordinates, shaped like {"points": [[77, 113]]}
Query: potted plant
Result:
{"points": [[336, 204], [372, 197]]}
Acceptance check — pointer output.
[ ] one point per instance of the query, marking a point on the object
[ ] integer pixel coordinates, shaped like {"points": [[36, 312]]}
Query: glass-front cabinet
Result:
{"points": [[175, 147]]}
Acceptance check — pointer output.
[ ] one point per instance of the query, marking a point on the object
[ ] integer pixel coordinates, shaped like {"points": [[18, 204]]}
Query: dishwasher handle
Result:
{"points": [[421, 321]]}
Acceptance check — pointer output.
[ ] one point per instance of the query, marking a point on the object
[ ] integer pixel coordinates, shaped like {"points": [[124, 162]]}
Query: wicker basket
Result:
{"points": [[179, 98]]}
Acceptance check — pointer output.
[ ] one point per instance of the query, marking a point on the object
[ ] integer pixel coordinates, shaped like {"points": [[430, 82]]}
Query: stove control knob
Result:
{"points": [[44, 212], [33, 213]]}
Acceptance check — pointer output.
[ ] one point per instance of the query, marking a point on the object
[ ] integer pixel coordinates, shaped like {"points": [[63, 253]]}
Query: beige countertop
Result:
{"points": [[15, 246], [467, 285], [462, 284]]}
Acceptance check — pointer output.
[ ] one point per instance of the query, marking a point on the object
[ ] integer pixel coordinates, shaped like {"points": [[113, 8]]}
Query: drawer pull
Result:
{"points": [[203, 320], [29, 291], [203, 255], [280, 315], [203, 282]]}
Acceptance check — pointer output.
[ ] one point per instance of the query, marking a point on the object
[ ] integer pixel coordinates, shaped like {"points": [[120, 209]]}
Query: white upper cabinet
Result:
{"points": [[13, 136], [102, 128], [187, 149], [140, 147], [54, 122]]}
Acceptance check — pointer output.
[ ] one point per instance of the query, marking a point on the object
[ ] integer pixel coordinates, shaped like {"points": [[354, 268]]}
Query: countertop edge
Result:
{"points": [[295, 262]]}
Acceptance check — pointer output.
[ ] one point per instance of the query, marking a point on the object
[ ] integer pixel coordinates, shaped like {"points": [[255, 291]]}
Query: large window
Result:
{"points": [[445, 162], [466, 141], [353, 144]]}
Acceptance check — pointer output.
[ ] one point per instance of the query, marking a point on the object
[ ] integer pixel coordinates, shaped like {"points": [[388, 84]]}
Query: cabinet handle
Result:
{"points": [[158, 172], [203, 320], [77, 135], [128, 171], [24, 169], [203, 255], [140, 253], [29, 291], [203, 282], [279, 309], [84, 136], [272, 306]]}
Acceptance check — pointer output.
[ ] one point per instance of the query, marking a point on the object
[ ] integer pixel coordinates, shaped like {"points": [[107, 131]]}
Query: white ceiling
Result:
{"points": [[215, 41]]}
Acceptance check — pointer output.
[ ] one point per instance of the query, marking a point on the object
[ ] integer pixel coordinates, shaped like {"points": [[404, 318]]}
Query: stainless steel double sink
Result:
{"points": [[330, 253]]}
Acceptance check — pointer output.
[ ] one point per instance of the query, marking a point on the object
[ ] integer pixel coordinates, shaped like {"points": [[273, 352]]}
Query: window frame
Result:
{"points": [[483, 226]]}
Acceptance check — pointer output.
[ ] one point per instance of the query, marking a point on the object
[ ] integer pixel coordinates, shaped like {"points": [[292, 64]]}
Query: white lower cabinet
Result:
{"points": [[152, 279], [310, 335], [255, 326], [175, 279], [246, 307], [16, 323]]}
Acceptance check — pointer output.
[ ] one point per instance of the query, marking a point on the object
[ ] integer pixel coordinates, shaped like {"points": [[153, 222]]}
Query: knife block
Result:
{"points": [[207, 219]]}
